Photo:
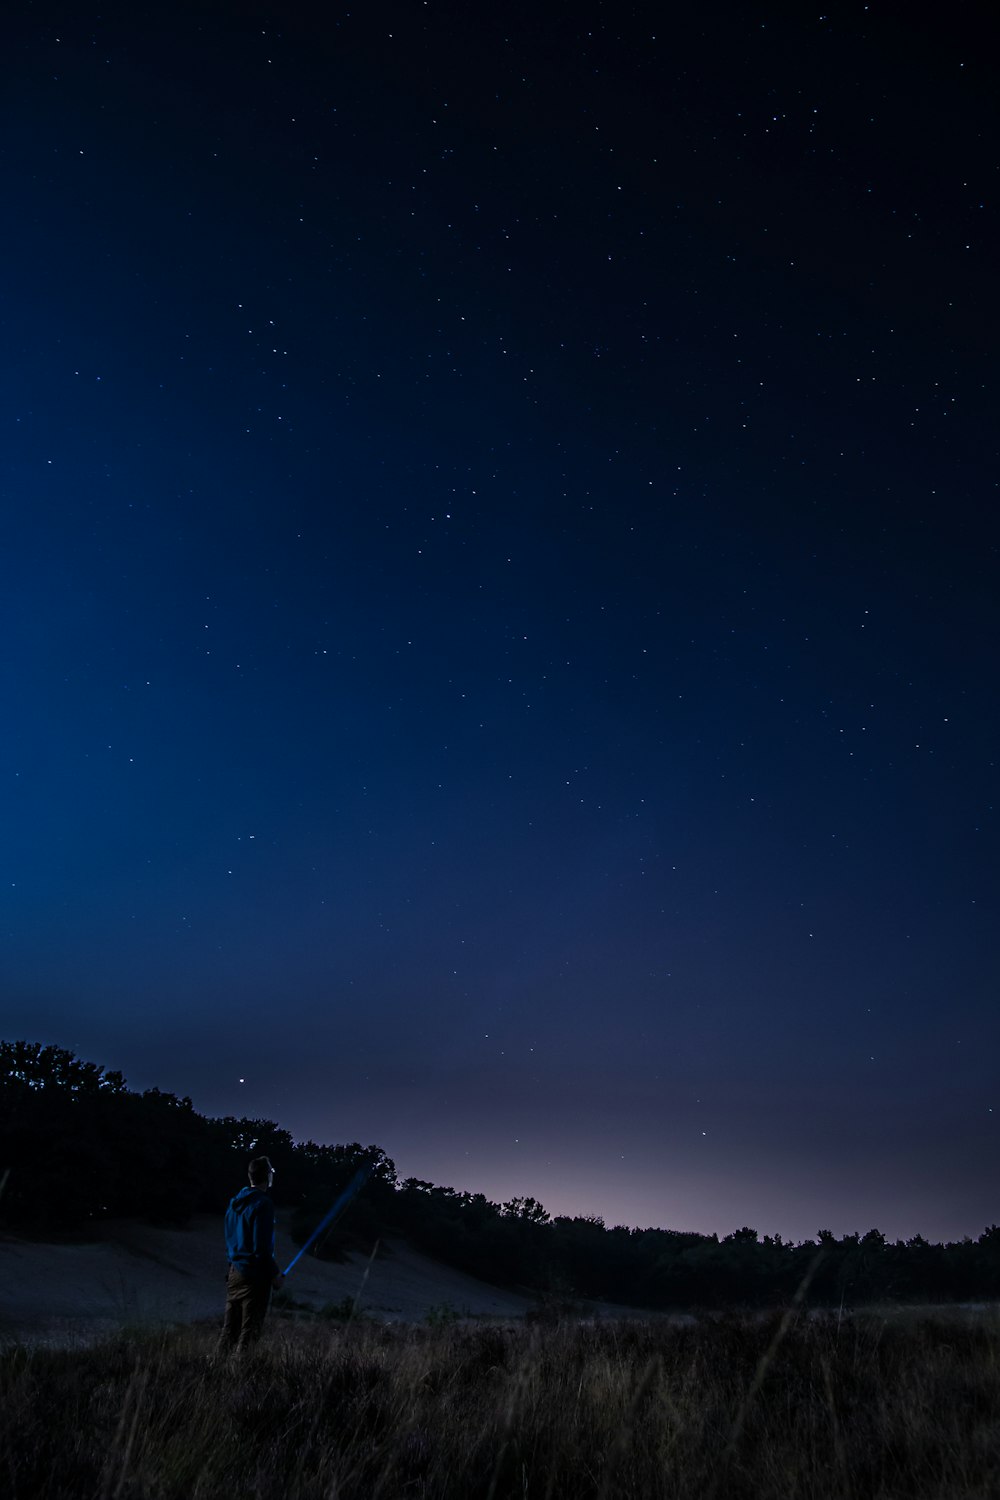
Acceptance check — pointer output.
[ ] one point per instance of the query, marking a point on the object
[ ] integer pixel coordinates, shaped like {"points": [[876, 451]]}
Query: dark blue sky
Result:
{"points": [[499, 584]]}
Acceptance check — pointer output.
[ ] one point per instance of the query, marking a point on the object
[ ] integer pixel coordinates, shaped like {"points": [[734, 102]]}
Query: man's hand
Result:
{"points": [[278, 1281]]}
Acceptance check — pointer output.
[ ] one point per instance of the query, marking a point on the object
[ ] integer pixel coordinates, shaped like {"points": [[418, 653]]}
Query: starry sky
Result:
{"points": [[498, 574]]}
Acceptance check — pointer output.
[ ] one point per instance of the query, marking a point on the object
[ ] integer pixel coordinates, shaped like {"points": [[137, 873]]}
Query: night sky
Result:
{"points": [[499, 589]]}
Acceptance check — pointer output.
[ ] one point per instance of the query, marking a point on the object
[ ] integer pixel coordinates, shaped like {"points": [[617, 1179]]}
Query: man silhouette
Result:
{"points": [[253, 1270]]}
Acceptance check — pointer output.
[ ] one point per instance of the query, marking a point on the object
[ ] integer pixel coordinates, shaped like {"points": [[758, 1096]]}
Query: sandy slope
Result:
{"points": [[69, 1293]]}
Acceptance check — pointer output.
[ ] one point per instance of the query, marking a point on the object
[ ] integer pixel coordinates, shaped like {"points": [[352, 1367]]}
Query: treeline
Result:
{"points": [[78, 1146]]}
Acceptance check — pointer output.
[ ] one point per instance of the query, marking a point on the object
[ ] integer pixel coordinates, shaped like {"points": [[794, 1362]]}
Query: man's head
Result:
{"points": [[261, 1172]]}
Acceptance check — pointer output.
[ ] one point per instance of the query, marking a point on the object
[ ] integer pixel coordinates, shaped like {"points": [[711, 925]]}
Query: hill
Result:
{"points": [[68, 1292], [81, 1153]]}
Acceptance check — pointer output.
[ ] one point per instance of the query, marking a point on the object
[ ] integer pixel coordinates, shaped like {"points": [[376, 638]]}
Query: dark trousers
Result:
{"points": [[247, 1296]]}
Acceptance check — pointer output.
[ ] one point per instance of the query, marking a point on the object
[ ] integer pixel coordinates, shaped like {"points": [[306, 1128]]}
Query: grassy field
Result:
{"points": [[733, 1408]]}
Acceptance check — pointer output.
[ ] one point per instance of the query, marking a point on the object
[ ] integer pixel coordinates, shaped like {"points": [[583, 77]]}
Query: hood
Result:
{"points": [[246, 1199]]}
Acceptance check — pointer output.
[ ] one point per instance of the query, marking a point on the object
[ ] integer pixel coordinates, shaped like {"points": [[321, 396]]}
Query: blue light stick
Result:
{"points": [[354, 1186]]}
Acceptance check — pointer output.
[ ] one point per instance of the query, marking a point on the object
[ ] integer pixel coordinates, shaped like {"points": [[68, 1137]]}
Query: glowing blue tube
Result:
{"points": [[354, 1186]]}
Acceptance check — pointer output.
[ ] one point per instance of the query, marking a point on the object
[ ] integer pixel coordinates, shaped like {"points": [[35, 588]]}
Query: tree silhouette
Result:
{"points": [[79, 1147]]}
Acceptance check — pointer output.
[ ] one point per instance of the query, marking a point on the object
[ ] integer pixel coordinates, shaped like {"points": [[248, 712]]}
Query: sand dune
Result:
{"points": [[64, 1294]]}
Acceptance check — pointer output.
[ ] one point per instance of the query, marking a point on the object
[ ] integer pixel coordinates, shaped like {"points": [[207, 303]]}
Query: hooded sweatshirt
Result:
{"points": [[250, 1233]]}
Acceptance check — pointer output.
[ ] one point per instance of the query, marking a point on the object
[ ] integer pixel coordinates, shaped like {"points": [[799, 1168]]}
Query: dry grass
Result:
{"points": [[728, 1409]]}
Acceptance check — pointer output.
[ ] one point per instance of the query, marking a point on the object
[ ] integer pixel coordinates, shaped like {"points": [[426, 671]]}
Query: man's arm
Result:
{"points": [[263, 1239]]}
